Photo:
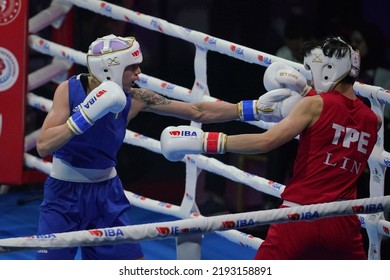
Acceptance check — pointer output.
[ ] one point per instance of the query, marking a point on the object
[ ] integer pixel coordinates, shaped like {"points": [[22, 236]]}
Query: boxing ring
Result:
{"points": [[191, 225]]}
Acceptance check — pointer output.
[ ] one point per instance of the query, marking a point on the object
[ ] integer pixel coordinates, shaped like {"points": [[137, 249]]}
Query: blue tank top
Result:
{"points": [[97, 147]]}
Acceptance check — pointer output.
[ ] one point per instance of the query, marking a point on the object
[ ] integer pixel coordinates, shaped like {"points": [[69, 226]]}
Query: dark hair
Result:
{"points": [[330, 46]]}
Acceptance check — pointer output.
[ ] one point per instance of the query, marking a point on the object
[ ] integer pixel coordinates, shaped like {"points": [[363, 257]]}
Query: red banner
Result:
{"points": [[13, 88]]}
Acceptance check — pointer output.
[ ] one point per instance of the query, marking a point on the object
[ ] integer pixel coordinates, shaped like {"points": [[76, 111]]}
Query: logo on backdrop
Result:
{"points": [[9, 10], [9, 69]]}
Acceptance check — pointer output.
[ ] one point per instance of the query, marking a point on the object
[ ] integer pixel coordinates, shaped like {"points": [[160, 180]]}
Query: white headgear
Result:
{"points": [[327, 71], [108, 57]]}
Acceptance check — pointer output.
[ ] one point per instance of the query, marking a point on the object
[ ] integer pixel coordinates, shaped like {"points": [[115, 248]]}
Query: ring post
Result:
{"points": [[13, 84]]}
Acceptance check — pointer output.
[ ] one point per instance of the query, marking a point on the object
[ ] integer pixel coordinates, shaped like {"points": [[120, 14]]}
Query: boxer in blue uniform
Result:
{"points": [[83, 190], [83, 132]]}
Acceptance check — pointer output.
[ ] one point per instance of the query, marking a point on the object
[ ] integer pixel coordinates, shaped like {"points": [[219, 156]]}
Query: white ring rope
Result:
{"points": [[203, 42], [53, 15], [207, 41], [137, 233], [52, 72]]}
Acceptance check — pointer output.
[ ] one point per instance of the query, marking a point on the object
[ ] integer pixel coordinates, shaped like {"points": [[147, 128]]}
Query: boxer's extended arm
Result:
{"points": [[272, 106], [202, 112], [176, 142]]}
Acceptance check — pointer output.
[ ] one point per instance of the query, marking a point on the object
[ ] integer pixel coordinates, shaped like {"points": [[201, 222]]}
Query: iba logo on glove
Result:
{"points": [[93, 99], [185, 133]]}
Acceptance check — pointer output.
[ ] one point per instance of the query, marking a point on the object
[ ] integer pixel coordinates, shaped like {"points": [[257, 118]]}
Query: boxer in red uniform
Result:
{"points": [[337, 133]]}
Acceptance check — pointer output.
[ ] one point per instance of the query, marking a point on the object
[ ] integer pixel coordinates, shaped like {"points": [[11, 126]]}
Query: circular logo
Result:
{"points": [[9, 10], [9, 69]]}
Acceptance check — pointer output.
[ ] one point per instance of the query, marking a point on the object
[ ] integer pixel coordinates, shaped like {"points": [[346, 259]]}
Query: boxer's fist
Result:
{"points": [[280, 75], [177, 141], [107, 97], [272, 106], [276, 104]]}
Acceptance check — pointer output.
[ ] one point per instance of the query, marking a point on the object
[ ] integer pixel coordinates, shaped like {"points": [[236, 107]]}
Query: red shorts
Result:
{"points": [[336, 238]]}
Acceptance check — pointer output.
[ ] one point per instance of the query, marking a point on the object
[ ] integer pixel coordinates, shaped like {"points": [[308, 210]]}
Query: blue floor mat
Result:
{"points": [[21, 219]]}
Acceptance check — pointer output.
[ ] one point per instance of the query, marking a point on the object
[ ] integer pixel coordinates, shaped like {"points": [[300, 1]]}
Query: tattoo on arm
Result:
{"points": [[150, 97]]}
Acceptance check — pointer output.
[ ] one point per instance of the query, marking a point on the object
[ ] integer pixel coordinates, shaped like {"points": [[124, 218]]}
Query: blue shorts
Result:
{"points": [[69, 206]]}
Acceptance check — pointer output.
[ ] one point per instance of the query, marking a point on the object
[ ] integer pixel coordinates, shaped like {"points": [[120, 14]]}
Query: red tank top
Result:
{"points": [[333, 152]]}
